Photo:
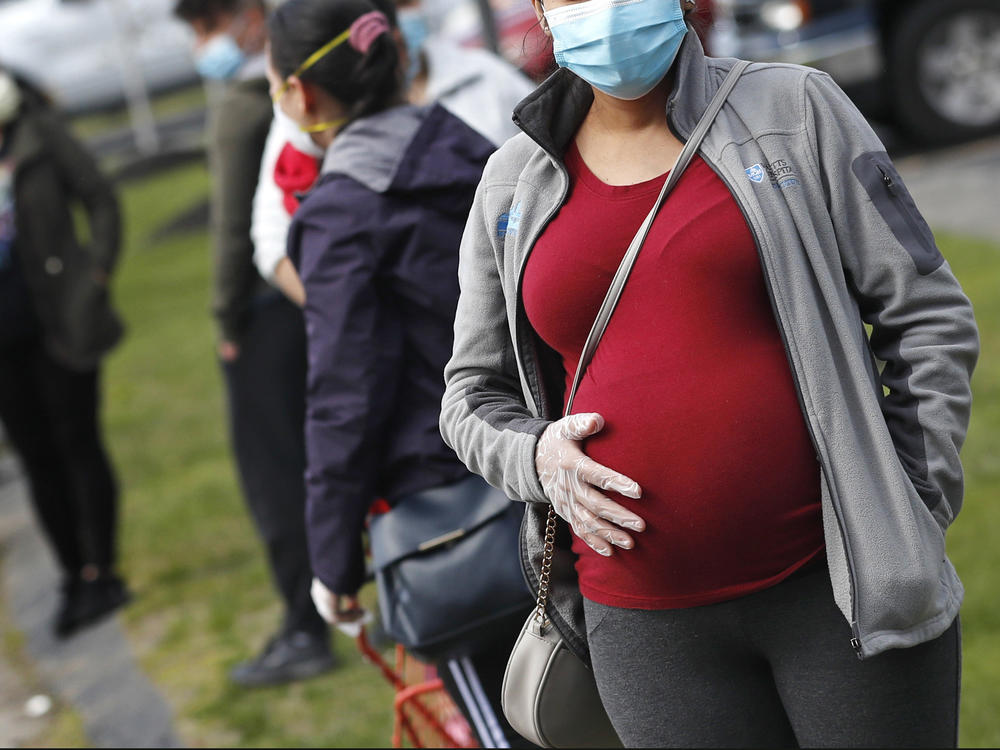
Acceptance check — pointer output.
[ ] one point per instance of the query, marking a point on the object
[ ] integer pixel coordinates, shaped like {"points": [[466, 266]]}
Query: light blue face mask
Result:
{"points": [[412, 23], [220, 58], [622, 47]]}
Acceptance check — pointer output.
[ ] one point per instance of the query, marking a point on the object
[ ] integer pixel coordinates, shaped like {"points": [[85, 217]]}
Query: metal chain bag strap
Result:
{"points": [[549, 694]]}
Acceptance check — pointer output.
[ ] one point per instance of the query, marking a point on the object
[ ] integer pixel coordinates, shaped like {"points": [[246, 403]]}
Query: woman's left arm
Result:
{"points": [[922, 323], [84, 180]]}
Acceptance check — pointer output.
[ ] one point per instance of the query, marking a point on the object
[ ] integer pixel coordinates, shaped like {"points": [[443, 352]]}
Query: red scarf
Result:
{"points": [[295, 173]]}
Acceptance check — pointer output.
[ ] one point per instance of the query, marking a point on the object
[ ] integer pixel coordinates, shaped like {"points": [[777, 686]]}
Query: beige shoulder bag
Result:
{"points": [[549, 695]]}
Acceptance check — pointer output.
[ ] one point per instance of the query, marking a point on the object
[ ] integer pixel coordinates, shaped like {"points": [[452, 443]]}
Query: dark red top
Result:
{"points": [[692, 379]]}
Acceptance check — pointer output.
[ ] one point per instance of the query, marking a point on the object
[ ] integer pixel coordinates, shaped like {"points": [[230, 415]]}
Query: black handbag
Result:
{"points": [[447, 569]]}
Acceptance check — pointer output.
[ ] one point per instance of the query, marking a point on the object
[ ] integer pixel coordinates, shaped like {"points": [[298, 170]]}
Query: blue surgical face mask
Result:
{"points": [[622, 47], [412, 23], [220, 58]]}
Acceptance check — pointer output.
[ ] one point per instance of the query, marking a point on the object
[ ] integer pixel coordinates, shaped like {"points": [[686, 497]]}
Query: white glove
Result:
{"points": [[337, 609], [573, 483]]}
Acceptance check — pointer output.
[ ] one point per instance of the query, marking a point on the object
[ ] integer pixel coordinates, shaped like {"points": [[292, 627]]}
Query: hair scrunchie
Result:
{"points": [[366, 29]]}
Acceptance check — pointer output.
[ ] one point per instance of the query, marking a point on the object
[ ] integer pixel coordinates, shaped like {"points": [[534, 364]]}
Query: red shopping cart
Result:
{"points": [[424, 714]]}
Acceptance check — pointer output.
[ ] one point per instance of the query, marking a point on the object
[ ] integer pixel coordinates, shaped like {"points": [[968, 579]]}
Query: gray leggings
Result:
{"points": [[772, 669]]}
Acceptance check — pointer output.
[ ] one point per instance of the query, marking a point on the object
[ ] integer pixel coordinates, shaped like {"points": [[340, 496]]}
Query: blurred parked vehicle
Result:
{"points": [[77, 50], [932, 66]]}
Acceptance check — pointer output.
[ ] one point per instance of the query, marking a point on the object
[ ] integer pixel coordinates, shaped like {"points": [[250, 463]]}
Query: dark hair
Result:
{"points": [[388, 8], [210, 10], [363, 83]]}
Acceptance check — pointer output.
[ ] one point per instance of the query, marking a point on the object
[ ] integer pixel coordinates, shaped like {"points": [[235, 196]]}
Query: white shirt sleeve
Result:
{"points": [[270, 221]]}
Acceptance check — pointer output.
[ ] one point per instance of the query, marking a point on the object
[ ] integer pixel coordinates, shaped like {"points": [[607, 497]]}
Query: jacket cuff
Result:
{"points": [[533, 491], [338, 563], [347, 583]]}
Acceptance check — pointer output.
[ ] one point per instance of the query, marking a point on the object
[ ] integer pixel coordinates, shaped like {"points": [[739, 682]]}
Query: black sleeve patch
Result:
{"points": [[880, 179]]}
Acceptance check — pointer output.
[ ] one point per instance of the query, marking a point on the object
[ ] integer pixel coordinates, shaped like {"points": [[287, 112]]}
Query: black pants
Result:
{"points": [[266, 400], [474, 684], [772, 669], [50, 414]]}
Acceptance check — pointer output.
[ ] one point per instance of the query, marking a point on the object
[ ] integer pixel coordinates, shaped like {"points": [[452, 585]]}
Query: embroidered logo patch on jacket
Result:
{"points": [[755, 173], [509, 222], [779, 172]]}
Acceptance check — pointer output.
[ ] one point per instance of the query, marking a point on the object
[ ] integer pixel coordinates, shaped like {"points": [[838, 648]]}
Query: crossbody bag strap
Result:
{"points": [[622, 274], [615, 292]]}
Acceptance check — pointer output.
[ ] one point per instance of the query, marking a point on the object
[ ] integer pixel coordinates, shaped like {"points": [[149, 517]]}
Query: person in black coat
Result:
{"points": [[56, 324]]}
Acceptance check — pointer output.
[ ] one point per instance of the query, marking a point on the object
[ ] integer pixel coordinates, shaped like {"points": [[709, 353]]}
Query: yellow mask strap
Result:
{"points": [[314, 58], [319, 127]]}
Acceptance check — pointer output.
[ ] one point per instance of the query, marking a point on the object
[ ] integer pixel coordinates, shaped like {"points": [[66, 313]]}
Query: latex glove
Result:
{"points": [[337, 609], [575, 485]]}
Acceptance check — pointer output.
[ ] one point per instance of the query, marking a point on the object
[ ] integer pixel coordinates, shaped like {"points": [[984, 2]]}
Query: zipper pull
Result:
{"points": [[890, 185], [856, 641]]}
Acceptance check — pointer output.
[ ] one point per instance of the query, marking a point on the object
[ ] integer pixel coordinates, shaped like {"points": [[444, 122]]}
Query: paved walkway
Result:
{"points": [[958, 189], [17, 729], [94, 672]]}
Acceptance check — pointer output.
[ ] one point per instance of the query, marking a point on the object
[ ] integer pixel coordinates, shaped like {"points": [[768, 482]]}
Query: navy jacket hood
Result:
{"points": [[409, 149]]}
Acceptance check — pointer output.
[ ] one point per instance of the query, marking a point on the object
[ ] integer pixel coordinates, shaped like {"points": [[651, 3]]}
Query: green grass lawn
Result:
{"points": [[973, 540], [204, 598]]}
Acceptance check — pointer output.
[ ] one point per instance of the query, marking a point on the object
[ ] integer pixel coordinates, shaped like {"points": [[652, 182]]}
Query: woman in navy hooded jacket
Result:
{"points": [[376, 245]]}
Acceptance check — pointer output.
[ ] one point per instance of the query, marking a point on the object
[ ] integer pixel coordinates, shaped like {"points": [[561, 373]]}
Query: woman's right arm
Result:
{"points": [[286, 278], [484, 417]]}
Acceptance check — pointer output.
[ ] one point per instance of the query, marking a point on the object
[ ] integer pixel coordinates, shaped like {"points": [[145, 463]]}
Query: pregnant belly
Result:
{"points": [[730, 486]]}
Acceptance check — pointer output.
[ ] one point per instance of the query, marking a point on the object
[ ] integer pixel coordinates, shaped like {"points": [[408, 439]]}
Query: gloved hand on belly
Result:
{"points": [[575, 485]]}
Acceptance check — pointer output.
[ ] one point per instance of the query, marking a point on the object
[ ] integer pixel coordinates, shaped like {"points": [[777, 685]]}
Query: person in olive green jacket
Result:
{"points": [[56, 324], [261, 339]]}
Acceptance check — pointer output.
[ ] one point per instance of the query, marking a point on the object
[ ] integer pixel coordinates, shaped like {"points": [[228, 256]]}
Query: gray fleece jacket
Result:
{"points": [[841, 244]]}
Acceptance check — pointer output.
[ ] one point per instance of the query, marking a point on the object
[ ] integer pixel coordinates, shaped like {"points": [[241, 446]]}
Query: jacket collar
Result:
{"points": [[552, 113], [409, 148], [26, 143]]}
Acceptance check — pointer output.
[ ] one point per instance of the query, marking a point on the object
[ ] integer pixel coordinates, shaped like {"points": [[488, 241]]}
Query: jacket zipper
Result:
{"points": [[890, 185], [545, 412], [855, 631], [891, 188]]}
